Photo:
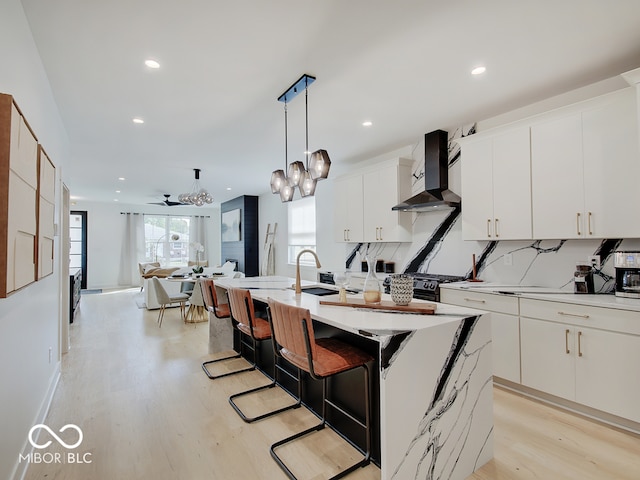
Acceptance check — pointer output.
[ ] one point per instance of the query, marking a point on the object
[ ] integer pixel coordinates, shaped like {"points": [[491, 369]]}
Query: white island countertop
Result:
{"points": [[362, 321], [433, 389]]}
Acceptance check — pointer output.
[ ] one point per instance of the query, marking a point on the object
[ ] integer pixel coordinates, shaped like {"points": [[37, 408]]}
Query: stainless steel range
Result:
{"points": [[426, 286]]}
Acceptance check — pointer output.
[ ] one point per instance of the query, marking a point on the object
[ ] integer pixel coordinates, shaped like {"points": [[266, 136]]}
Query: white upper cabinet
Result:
{"points": [[383, 189], [496, 186], [584, 166], [348, 219], [363, 203]]}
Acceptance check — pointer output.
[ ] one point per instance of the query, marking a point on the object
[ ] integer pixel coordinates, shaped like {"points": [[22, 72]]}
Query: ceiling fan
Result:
{"points": [[167, 202]]}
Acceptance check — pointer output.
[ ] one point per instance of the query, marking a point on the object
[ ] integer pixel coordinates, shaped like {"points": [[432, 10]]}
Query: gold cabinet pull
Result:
{"points": [[566, 341], [496, 223], [589, 221], [578, 223], [567, 314], [380, 233], [348, 235], [489, 227], [344, 234], [474, 300], [579, 346]]}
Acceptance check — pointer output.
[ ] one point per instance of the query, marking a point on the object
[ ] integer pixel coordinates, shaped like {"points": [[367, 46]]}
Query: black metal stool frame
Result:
{"points": [[325, 401], [253, 346]]}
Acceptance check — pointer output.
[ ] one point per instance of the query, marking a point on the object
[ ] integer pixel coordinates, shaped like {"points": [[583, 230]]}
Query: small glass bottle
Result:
{"points": [[372, 292]]}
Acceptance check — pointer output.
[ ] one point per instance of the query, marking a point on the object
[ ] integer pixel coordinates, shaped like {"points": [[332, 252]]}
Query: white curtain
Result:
{"points": [[198, 234], [132, 249]]}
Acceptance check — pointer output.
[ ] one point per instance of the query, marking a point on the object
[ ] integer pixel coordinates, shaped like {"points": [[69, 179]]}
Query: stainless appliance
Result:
{"points": [[627, 266], [426, 286]]}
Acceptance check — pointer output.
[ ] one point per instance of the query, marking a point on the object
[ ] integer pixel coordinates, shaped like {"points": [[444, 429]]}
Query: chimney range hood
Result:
{"points": [[436, 194]]}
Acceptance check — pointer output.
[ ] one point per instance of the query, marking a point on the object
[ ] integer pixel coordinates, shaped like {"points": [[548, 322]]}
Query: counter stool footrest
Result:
{"points": [[365, 461], [267, 414], [231, 357]]}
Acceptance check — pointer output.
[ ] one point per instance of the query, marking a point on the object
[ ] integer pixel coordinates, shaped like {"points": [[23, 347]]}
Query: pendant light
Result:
{"points": [[298, 174], [307, 184], [198, 195], [279, 181]]}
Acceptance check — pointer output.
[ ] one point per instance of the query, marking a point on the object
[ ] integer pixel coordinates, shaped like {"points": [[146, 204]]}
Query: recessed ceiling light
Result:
{"points": [[367, 123], [228, 188], [115, 199], [151, 63], [122, 179], [478, 70], [117, 191], [138, 120]]}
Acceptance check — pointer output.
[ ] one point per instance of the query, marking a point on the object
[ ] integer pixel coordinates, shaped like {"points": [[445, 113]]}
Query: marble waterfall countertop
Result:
{"points": [[549, 294], [362, 321], [433, 394]]}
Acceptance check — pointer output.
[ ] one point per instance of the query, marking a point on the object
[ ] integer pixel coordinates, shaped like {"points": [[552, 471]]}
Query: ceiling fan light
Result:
{"points": [[319, 165], [307, 185], [277, 180], [286, 193], [295, 173]]}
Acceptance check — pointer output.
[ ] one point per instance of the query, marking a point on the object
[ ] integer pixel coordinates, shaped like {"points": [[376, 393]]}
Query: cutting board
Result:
{"points": [[424, 308]]}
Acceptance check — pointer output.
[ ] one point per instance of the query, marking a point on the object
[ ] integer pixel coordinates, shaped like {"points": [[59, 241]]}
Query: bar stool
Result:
{"points": [[293, 334], [253, 329], [210, 297], [261, 331]]}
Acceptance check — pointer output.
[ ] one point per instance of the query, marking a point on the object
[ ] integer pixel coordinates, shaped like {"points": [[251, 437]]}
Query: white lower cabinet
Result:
{"points": [[570, 351], [505, 327]]}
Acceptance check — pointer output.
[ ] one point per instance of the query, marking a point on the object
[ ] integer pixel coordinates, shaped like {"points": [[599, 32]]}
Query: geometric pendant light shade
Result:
{"points": [[319, 165], [298, 174]]}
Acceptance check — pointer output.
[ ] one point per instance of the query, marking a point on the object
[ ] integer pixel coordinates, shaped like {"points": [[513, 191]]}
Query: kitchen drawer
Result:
{"points": [[483, 301], [623, 321]]}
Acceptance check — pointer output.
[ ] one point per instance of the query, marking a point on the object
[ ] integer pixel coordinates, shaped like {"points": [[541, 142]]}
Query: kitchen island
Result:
{"points": [[433, 398]]}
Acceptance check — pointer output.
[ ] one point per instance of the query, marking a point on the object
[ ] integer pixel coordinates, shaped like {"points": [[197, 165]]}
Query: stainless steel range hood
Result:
{"points": [[436, 194]]}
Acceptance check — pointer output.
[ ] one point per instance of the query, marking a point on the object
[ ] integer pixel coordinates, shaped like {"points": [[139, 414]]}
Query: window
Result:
{"points": [[302, 229], [166, 239]]}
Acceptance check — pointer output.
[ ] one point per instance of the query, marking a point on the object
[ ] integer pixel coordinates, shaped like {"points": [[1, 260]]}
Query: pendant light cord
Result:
{"points": [[286, 142], [306, 124]]}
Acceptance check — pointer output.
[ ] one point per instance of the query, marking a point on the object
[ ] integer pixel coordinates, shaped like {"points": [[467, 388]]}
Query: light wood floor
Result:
{"points": [[148, 411]]}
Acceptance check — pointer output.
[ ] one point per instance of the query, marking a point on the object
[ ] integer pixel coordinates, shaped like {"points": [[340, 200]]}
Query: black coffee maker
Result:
{"points": [[583, 278]]}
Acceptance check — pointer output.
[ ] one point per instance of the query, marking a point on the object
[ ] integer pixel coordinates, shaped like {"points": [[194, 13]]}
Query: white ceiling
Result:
{"points": [[404, 65]]}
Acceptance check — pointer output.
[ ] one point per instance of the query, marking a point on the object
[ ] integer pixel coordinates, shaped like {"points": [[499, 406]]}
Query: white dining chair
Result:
{"points": [[196, 311], [164, 299]]}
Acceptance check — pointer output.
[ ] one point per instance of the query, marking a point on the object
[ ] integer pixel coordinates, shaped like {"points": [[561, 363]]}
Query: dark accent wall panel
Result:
{"points": [[245, 251]]}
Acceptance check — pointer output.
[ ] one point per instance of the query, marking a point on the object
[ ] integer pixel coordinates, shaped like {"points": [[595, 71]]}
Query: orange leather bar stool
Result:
{"points": [[252, 328], [321, 358], [257, 329], [210, 297]]}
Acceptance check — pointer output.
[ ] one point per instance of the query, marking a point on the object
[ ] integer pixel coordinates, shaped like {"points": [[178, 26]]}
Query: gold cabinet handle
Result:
{"points": [[567, 314], [380, 233], [377, 233], [496, 224], [566, 341], [579, 346], [348, 235], [489, 227], [344, 234], [589, 218], [474, 300], [578, 223]]}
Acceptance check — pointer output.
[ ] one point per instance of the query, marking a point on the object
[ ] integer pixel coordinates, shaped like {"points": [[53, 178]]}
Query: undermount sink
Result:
{"points": [[320, 291]]}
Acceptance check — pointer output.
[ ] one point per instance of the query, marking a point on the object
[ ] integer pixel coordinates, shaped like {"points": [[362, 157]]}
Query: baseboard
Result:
{"points": [[573, 407], [20, 468]]}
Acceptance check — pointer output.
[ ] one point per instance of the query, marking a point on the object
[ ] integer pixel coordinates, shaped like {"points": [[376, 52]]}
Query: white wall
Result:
{"points": [[29, 319], [105, 232]]}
